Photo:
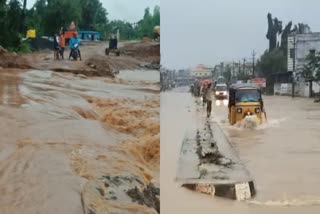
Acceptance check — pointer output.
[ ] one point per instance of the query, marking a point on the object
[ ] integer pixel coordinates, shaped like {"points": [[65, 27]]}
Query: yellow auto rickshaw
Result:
{"points": [[244, 100]]}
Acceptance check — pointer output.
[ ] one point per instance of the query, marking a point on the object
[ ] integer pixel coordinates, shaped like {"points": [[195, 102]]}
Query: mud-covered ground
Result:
{"points": [[76, 142], [134, 55]]}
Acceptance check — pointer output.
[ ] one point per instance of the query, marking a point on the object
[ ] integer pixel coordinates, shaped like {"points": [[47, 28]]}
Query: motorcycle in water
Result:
{"points": [[75, 52]]}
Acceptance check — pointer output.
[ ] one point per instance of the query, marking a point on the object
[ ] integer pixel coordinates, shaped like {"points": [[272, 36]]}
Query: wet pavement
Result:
{"points": [[281, 155], [46, 124]]}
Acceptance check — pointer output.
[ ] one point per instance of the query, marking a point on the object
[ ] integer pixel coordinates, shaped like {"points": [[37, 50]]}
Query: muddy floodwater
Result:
{"points": [[59, 131], [140, 75], [282, 156]]}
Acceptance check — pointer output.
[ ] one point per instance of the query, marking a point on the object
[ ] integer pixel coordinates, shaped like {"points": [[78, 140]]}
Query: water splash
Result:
{"points": [[249, 122]]}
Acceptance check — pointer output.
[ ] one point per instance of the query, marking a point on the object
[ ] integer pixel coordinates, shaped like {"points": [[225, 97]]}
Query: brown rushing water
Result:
{"points": [[281, 155], [53, 140]]}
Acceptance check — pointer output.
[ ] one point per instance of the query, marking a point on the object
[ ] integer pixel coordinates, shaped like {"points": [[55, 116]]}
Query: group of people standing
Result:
{"points": [[60, 44]]}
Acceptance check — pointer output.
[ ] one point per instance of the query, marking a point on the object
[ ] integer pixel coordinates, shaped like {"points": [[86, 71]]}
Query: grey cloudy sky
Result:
{"points": [[210, 31], [128, 10]]}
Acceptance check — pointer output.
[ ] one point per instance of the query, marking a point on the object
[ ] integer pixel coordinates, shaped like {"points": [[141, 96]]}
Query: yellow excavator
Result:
{"points": [[156, 33]]}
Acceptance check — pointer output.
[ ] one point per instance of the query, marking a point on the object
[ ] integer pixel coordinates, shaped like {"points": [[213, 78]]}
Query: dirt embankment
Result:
{"points": [[122, 178], [13, 60], [145, 51], [138, 55]]}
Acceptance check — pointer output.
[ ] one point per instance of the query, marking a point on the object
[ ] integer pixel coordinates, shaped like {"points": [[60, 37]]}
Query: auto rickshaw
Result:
{"points": [[244, 100]]}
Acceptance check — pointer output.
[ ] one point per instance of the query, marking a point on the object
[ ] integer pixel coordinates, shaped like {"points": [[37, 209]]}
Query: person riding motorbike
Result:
{"points": [[74, 44]]}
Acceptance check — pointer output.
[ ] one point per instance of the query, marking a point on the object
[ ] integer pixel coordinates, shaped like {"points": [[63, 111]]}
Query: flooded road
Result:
{"points": [[56, 135], [281, 156]]}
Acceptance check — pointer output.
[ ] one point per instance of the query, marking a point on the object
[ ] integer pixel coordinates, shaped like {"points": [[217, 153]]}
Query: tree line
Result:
{"points": [[274, 59], [48, 16]]}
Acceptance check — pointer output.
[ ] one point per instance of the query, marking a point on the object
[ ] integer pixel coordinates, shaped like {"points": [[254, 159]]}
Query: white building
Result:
{"points": [[201, 71], [299, 47]]}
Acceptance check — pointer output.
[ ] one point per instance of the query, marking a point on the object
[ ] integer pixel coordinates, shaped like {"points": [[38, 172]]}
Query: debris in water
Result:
{"points": [[121, 194]]}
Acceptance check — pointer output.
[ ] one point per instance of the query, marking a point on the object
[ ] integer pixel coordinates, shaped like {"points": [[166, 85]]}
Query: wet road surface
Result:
{"points": [[45, 120], [281, 155]]}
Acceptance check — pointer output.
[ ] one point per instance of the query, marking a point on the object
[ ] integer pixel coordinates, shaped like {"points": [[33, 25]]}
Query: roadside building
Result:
{"points": [[89, 35], [201, 71], [299, 47]]}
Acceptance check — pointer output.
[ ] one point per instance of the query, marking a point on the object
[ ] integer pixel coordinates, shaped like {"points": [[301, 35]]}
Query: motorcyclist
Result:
{"points": [[72, 43]]}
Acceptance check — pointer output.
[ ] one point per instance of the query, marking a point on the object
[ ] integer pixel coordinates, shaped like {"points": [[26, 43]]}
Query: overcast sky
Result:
{"points": [[210, 31], [128, 10]]}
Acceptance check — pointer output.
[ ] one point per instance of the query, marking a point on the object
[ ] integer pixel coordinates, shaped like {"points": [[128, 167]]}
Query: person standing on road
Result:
{"points": [[62, 45], [209, 95], [203, 93], [56, 46]]}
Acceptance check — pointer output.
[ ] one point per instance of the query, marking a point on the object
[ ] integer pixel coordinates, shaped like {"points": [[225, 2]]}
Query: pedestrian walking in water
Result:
{"points": [[62, 44], [203, 93], [209, 95]]}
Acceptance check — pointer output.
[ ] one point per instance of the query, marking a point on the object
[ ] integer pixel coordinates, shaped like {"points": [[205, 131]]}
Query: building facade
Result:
{"points": [[201, 71], [299, 47]]}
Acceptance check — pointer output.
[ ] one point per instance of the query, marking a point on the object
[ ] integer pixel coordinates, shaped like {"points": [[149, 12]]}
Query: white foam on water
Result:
{"points": [[249, 122], [297, 202], [271, 123]]}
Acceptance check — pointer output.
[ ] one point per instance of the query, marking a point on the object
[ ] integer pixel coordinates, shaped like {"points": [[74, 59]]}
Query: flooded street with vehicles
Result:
{"points": [[280, 154]]}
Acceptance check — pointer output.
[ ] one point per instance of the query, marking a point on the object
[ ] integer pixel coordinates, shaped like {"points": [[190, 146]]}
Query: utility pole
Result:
{"points": [[244, 65], [239, 72], [294, 65], [233, 69], [253, 62]]}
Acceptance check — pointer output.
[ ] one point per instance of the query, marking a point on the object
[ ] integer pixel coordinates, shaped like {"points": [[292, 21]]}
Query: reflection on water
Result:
{"points": [[140, 75], [9, 88]]}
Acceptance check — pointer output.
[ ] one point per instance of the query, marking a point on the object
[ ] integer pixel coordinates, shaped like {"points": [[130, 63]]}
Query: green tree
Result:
{"points": [[93, 15], [59, 13], [272, 62], [126, 29], [311, 70], [156, 16], [10, 36], [3, 13], [146, 24], [274, 28]]}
